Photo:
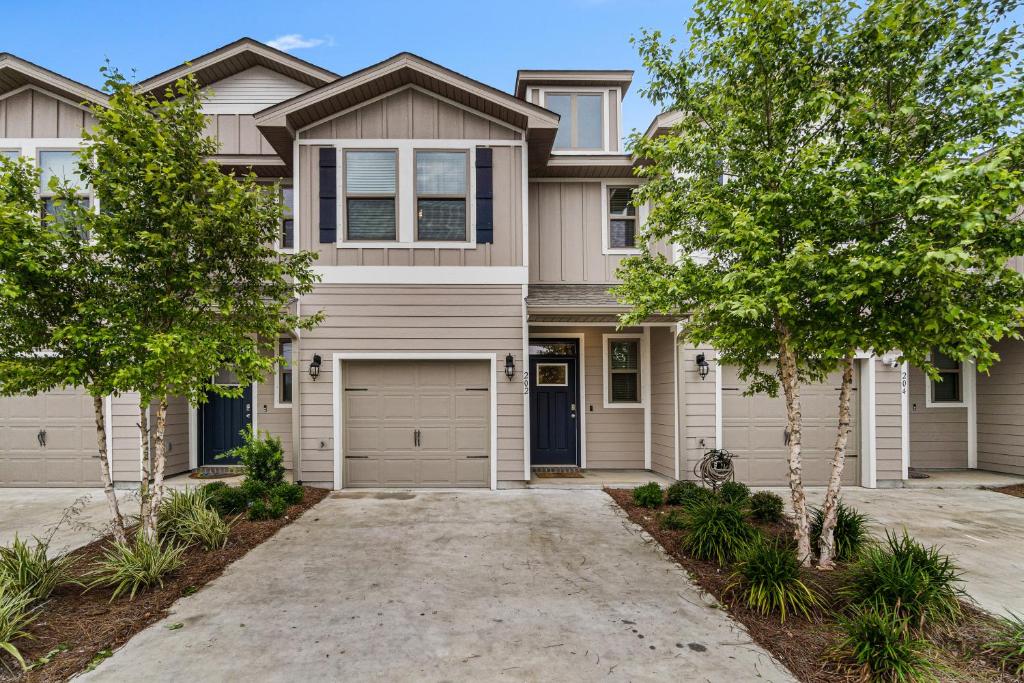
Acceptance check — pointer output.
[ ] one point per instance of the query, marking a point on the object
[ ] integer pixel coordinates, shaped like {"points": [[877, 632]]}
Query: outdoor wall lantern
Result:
{"points": [[510, 367], [702, 365], [314, 366]]}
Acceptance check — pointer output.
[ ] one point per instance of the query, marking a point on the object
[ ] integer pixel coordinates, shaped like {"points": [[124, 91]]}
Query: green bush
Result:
{"points": [[673, 519], [879, 646], [254, 489], [734, 492], [906, 578], [767, 577], [766, 506], [648, 496], [30, 570], [262, 458], [267, 508], [214, 486], [229, 500], [136, 565], [679, 492], [16, 613], [1008, 644], [850, 535], [701, 496], [178, 507], [292, 494], [716, 530]]}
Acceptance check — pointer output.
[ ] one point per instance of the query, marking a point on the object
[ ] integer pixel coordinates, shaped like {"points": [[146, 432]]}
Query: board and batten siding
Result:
{"points": [[1001, 411], [412, 319], [237, 134], [663, 403], [31, 113], [938, 436]]}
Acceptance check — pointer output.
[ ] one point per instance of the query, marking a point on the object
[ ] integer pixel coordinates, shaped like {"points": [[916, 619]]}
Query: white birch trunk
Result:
{"points": [[159, 460], [145, 492], [826, 546], [117, 521], [791, 389]]}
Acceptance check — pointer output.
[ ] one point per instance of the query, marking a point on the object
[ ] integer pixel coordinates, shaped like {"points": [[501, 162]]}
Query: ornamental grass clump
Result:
{"points": [[716, 531], [878, 645], [16, 614], [1008, 645], [137, 565], [850, 535], [673, 519], [767, 579], [29, 569], [765, 506], [649, 495]]}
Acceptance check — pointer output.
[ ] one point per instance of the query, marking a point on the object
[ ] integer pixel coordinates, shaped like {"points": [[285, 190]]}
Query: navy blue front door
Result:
{"points": [[554, 403], [221, 423]]}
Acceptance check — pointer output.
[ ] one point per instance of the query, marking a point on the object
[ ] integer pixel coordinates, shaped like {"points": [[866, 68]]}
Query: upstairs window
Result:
{"points": [[950, 390], [581, 126], [62, 165], [11, 154], [370, 190], [621, 218], [441, 187], [287, 218]]}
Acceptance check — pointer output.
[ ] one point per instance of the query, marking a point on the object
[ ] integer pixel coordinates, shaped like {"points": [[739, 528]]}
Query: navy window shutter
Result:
{"points": [[484, 196], [328, 194]]}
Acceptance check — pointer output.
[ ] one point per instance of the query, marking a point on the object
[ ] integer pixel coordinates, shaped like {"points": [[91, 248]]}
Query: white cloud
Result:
{"points": [[294, 41]]}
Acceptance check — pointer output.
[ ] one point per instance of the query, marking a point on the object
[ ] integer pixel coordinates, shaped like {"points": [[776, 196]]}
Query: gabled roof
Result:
{"points": [[663, 123], [16, 72], [617, 78], [235, 57], [279, 122]]}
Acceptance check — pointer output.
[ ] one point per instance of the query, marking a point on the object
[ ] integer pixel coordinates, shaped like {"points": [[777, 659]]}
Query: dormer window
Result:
{"points": [[582, 126]]}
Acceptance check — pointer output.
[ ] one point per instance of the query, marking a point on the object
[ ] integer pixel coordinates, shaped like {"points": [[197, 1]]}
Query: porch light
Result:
{"points": [[510, 367], [314, 366], [702, 365]]}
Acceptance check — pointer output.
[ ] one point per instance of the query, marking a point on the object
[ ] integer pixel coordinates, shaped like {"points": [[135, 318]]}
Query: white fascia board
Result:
{"points": [[422, 275]]}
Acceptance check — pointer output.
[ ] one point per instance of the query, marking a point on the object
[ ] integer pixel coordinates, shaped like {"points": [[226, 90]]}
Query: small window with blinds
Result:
{"points": [[370, 190], [441, 190], [287, 218], [621, 218], [623, 371]]}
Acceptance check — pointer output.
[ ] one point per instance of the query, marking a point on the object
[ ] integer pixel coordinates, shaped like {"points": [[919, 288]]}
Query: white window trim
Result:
{"points": [[606, 226], [965, 399], [405, 192], [29, 148], [641, 349], [278, 404], [295, 223], [605, 122]]}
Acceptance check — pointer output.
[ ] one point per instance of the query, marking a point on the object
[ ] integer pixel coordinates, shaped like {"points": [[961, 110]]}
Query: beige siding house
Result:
{"points": [[466, 240]]}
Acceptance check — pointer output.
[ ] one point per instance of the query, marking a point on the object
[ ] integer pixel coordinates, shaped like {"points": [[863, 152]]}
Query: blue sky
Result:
{"points": [[485, 40]]}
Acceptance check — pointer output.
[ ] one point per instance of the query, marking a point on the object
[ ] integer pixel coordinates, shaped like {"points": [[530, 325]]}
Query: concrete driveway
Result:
{"points": [[80, 514], [518, 585]]}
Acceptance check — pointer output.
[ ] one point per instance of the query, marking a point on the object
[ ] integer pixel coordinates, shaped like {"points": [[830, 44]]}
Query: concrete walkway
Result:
{"points": [[34, 512], [468, 586]]}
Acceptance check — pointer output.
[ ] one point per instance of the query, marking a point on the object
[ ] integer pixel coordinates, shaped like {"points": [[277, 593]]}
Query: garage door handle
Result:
{"points": [[41, 438], [785, 436], [416, 437]]}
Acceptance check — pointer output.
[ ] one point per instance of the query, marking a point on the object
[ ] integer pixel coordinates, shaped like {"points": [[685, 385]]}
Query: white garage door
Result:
{"points": [[48, 440], [754, 428], [416, 423]]}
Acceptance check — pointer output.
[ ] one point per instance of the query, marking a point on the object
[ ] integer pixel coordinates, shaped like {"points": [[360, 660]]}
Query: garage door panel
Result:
{"points": [[471, 471], [436, 439], [439, 472], [471, 440], [434, 405], [398, 406], [475, 404], [362, 405], [363, 439], [362, 472]]}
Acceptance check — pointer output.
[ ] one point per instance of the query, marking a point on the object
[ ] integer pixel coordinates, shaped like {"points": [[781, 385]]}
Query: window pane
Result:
{"points": [[948, 390], [55, 208], [226, 378], [441, 219], [944, 362], [622, 233], [561, 105], [552, 349], [441, 173], [287, 201], [552, 375], [288, 233], [61, 165], [589, 122], [285, 371], [11, 154], [624, 388], [624, 355], [370, 173], [620, 201], [370, 219]]}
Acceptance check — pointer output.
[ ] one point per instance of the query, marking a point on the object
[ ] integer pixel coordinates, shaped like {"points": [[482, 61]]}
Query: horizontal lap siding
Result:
{"points": [[938, 436], [33, 114], [175, 435], [124, 432], [275, 421], [697, 405], [1001, 412], [888, 423], [409, 319], [663, 423]]}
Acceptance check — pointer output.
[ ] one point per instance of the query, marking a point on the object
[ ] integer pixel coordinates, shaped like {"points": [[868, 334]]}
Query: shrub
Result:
{"points": [[178, 507], [271, 508], [229, 500], [734, 492], [648, 496], [679, 492], [137, 565], [214, 486], [700, 496], [16, 613], [879, 646], [254, 489], [30, 570], [262, 458], [1008, 645], [850, 535], [292, 494], [767, 577], [917, 583], [766, 506], [673, 519], [716, 530]]}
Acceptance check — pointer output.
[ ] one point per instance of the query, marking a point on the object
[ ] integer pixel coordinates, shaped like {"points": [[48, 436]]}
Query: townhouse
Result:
{"points": [[467, 238]]}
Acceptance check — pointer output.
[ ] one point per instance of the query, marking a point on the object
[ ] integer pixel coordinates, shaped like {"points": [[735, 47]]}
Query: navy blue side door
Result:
{"points": [[221, 423], [554, 408]]}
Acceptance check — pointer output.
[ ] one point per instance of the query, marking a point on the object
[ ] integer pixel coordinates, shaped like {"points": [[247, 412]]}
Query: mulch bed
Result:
{"points": [[1011, 490], [803, 645], [87, 624]]}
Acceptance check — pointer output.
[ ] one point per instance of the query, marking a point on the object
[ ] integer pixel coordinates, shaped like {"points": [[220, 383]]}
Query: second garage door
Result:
{"points": [[416, 423], [48, 440], [754, 428]]}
